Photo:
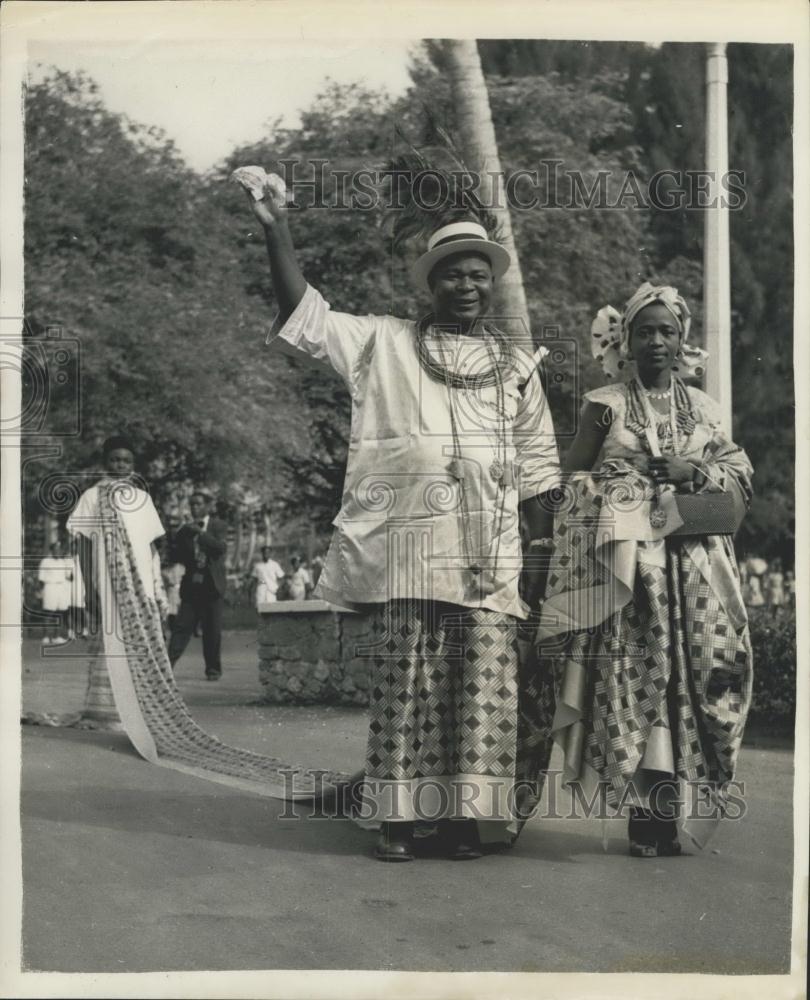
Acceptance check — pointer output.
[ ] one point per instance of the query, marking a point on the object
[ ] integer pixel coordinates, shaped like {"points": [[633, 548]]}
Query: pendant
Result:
{"points": [[482, 583], [496, 470], [658, 516]]}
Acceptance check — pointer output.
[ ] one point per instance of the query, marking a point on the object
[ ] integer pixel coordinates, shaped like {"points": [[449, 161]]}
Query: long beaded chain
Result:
{"points": [[497, 469], [475, 570], [498, 465]]}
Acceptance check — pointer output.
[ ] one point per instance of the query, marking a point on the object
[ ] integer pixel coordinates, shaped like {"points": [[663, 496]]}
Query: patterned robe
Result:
{"points": [[644, 662]]}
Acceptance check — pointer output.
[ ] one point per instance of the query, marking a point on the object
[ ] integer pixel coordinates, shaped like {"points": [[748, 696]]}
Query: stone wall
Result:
{"points": [[311, 653]]}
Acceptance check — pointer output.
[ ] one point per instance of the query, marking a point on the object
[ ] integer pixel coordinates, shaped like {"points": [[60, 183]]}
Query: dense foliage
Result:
{"points": [[160, 274], [774, 645], [662, 91], [125, 255]]}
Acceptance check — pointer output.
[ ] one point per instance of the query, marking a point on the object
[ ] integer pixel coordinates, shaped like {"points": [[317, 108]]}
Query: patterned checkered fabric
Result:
{"points": [[669, 657], [444, 695], [536, 704], [178, 741]]}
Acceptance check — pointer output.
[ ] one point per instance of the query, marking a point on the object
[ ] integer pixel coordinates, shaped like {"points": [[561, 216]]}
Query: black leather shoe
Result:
{"points": [[395, 842], [463, 842]]}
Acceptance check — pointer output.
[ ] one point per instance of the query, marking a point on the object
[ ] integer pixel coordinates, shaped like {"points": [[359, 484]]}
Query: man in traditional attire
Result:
{"points": [[451, 441]]}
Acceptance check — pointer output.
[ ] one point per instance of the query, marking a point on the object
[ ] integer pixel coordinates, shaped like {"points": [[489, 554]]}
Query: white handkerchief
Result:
{"points": [[257, 181], [252, 179]]}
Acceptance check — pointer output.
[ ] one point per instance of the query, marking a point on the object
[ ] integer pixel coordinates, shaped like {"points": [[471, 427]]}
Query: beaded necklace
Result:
{"points": [[478, 380], [659, 421], [655, 426]]}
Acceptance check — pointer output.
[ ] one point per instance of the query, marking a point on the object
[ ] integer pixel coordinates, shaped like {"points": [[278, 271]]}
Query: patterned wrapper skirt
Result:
{"points": [[443, 737]]}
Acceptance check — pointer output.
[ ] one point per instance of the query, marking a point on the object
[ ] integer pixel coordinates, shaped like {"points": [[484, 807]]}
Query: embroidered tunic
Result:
{"points": [[413, 520]]}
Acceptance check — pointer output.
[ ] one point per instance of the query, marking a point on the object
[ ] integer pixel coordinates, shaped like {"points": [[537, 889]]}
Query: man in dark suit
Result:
{"points": [[200, 547]]}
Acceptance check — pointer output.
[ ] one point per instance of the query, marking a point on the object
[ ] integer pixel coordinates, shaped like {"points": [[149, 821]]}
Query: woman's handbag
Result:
{"points": [[709, 513]]}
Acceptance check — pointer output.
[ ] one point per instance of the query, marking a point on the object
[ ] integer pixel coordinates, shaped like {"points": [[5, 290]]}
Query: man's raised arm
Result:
{"points": [[305, 326], [271, 211]]}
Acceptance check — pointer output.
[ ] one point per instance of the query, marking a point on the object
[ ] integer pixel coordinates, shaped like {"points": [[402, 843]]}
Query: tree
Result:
{"points": [[161, 274], [127, 252], [343, 253], [662, 92], [572, 260], [670, 115]]}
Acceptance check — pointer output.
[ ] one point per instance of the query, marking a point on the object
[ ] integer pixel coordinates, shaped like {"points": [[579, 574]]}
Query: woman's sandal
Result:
{"points": [[463, 842], [667, 839], [641, 833], [651, 836], [639, 850]]}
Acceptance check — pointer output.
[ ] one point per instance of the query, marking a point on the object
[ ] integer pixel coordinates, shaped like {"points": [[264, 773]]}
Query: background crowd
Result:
{"points": [[56, 588], [767, 585]]}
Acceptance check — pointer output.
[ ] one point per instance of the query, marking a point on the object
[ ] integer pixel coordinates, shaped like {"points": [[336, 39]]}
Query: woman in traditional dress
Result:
{"points": [[115, 495], [646, 631]]}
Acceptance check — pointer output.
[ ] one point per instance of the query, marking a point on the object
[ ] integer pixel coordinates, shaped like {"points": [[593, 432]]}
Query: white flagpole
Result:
{"points": [[716, 264]]}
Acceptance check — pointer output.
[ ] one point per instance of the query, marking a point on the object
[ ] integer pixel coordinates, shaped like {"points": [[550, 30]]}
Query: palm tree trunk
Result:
{"points": [[476, 134]]}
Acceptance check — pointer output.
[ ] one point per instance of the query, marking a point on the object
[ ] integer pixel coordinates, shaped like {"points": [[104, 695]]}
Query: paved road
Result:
{"points": [[131, 867]]}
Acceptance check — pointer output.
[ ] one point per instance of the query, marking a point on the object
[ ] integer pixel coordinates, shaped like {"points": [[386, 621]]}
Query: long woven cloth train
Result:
{"points": [[153, 712]]}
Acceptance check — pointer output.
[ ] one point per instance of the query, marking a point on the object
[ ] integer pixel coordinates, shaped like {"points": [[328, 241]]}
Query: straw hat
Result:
{"points": [[459, 237]]}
